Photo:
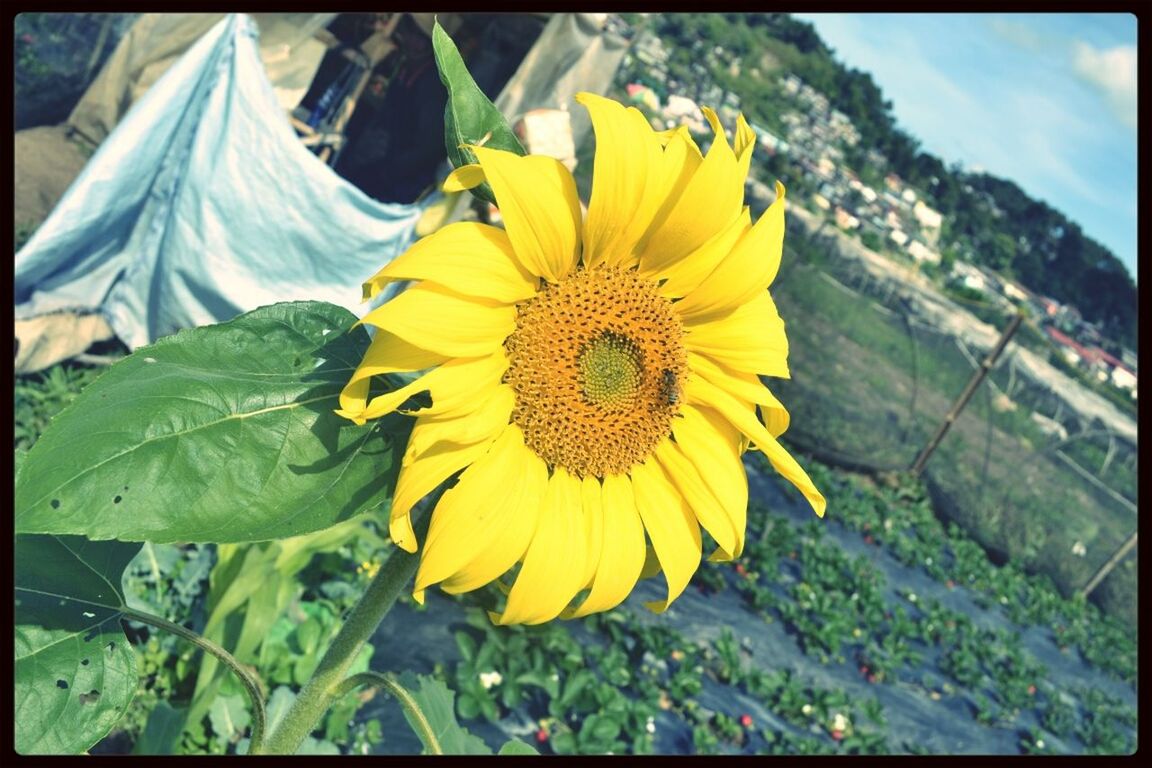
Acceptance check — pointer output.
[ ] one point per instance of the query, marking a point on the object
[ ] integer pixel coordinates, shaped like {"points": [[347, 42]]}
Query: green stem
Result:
{"points": [[320, 690], [250, 682], [389, 683]]}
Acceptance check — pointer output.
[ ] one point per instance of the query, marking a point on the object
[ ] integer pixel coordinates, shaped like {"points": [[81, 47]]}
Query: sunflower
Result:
{"points": [[595, 377]]}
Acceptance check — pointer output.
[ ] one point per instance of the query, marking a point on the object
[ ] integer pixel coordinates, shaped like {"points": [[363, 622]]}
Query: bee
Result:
{"points": [[669, 387]]}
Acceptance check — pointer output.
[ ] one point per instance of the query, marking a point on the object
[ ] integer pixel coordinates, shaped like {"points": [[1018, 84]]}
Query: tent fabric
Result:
{"points": [[156, 41], [573, 54], [203, 204]]}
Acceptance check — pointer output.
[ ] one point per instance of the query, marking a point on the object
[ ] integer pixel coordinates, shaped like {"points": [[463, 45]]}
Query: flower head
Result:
{"points": [[595, 378]]}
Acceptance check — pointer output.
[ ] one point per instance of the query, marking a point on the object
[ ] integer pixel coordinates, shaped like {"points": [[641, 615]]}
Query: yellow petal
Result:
{"points": [[751, 338], [446, 323], [671, 526], [419, 478], [387, 353], [467, 258], [625, 176], [354, 400], [711, 515], [456, 382], [712, 445], [515, 524], [703, 207], [682, 277], [678, 165], [465, 520], [749, 269], [745, 386], [492, 411], [537, 198], [698, 390], [622, 549], [743, 142], [591, 501], [554, 563], [464, 178]]}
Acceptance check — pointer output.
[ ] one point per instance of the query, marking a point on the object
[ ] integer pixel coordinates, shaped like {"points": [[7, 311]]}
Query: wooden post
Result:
{"points": [[1108, 567], [1111, 453], [966, 395]]}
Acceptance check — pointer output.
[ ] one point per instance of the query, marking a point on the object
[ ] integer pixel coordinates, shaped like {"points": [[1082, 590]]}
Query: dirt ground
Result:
{"points": [[46, 162]]}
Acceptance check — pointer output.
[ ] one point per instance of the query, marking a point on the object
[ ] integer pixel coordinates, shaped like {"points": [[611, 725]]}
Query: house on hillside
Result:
{"points": [[1121, 376], [923, 253], [1076, 353]]}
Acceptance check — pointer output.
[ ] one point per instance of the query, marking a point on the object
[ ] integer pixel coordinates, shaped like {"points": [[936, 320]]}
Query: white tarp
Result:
{"points": [[288, 48], [203, 204]]}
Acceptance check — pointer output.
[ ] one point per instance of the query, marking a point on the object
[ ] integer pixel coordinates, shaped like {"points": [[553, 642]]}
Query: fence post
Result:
{"points": [[977, 377], [1108, 566]]}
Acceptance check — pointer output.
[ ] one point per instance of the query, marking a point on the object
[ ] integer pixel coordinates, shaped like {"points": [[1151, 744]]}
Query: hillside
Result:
{"points": [[988, 220]]}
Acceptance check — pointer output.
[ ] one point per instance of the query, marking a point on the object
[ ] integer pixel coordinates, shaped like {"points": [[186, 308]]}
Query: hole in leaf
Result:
{"points": [[55, 503], [110, 647], [116, 499], [63, 684], [83, 662], [91, 634], [91, 697]]}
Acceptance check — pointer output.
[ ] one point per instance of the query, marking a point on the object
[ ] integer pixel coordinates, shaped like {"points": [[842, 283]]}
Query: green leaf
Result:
{"points": [[435, 701], [229, 717], [600, 731], [224, 433], [279, 703], [314, 746], [161, 735], [75, 673], [466, 645], [516, 747], [470, 117], [564, 743]]}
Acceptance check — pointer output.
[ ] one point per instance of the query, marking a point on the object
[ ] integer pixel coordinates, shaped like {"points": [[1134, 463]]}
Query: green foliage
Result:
{"points": [[75, 672], [40, 396], [222, 433], [871, 240], [435, 704], [470, 118]]}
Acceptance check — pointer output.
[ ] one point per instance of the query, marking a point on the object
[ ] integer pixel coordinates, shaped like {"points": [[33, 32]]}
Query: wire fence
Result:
{"points": [[1037, 467]]}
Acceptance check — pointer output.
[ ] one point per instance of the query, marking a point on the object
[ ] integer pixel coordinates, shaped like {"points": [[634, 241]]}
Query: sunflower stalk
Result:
{"points": [[328, 682]]}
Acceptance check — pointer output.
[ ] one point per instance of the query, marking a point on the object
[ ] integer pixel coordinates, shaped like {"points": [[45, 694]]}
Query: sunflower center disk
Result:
{"points": [[596, 363], [610, 370]]}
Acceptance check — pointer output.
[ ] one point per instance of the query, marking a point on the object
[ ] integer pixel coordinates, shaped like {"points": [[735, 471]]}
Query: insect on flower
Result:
{"points": [[669, 387]]}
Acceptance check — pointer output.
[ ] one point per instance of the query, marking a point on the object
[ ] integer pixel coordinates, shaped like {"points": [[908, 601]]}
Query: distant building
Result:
{"points": [[1075, 352], [928, 217], [968, 276], [1014, 292], [922, 253], [846, 220]]}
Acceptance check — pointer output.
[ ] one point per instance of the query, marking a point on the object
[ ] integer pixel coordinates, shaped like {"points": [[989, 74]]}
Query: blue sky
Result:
{"points": [[1046, 100]]}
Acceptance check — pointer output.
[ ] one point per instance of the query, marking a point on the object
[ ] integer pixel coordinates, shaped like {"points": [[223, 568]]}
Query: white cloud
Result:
{"points": [[1112, 71]]}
